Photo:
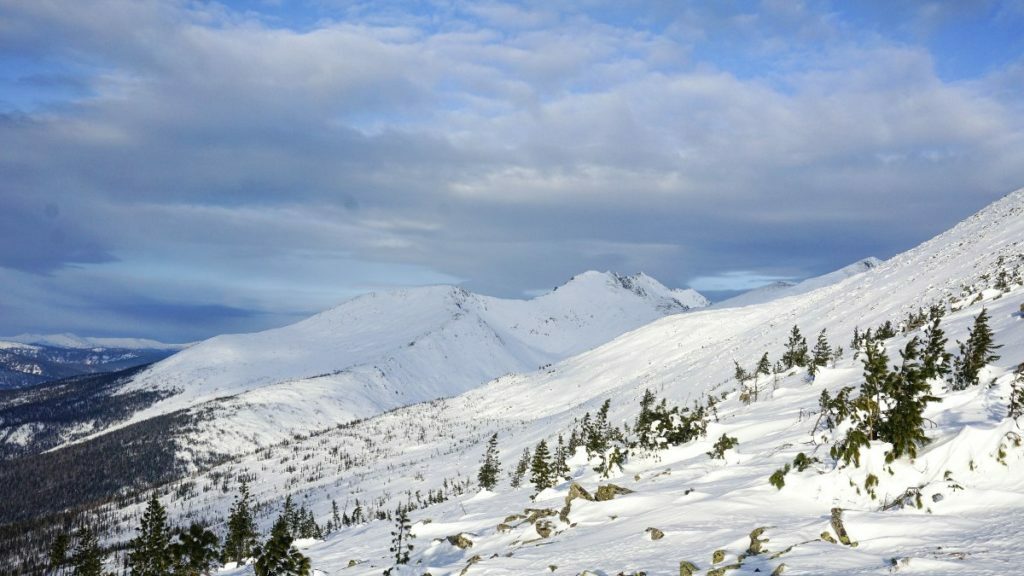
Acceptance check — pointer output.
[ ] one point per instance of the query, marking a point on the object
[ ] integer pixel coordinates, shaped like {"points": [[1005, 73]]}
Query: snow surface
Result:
{"points": [[972, 500], [384, 350], [67, 340], [784, 289]]}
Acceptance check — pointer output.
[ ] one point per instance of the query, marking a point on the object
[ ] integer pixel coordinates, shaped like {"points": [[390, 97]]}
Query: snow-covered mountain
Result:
{"points": [[785, 289], [27, 360], [384, 350], [951, 510], [68, 340]]}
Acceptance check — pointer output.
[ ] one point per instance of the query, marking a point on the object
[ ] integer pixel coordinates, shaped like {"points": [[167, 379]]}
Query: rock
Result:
{"points": [[756, 543], [655, 533], [718, 556], [502, 528], [839, 528], [552, 567], [687, 568], [545, 528], [577, 491], [473, 560], [514, 518], [723, 569], [779, 570], [827, 537], [460, 540], [938, 497], [534, 514], [352, 563], [610, 491]]}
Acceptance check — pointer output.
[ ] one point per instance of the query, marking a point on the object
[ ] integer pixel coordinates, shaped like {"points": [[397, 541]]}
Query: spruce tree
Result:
{"points": [[975, 353], [277, 557], [764, 367], [522, 466], [1016, 408], [559, 466], [241, 536], [487, 477], [149, 553], [796, 350], [59, 552], [935, 360], [335, 515], [88, 557], [874, 388], [400, 536], [540, 468], [909, 394], [645, 419], [821, 354], [598, 433], [195, 551]]}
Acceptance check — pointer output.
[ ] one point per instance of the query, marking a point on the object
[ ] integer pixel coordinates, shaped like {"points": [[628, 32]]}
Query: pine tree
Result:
{"points": [[821, 354], [400, 536], [487, 477], [1016, 408], [335, 516], [241, 536], [740, 373], [88, 557], [598, 433], [874, 387], [909, 394], [645, 419], [521, 467], [764, 367], [540, 468], [150, 553], [975, 353], [935, 360], [59, 552], [560, 466], [195, 552], [278, 557], [796, 350]]}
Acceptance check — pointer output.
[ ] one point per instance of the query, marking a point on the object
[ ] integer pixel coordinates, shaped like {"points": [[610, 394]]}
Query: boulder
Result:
{"points": [[718, 556], [545, 528], [655, 533], [687, 568], [839, 528], [460, 540], [610, 491]]}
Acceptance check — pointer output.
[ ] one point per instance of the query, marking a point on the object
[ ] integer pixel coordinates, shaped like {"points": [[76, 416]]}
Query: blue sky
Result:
{"points": [[179, 169]]}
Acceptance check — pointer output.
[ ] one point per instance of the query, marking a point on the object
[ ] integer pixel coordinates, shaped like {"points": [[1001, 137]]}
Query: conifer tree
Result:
{"points": [[975, 353], [909, 394], [335, 515], [935, 360], [241, 536], [740, 373], [540, 468], [277, 557], [821, 354], [400, 536], [487, 477], [598, 433], [59, 552], [874, 387], [560, 466], [195, 551], [521, 467], [88, 557], [796, 350], [764, 367], [645, 418], [150, 553], [1016, 408]]}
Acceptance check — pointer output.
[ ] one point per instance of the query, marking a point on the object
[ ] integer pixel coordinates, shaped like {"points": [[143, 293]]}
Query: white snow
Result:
{"points": [[784, 289], [67, 340], [970, 476]]}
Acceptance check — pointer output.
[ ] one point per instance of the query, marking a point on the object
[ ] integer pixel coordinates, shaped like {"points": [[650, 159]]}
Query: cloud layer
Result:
{"points": [[178, 169]]}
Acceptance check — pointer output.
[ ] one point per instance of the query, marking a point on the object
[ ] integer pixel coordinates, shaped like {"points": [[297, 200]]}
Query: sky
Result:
{"points": [[180, 169]]}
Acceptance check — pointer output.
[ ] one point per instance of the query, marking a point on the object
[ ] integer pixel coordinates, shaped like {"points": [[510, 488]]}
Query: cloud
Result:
{"points": [[208, 156]]}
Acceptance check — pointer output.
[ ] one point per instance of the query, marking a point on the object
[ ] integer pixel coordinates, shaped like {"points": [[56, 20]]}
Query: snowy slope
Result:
{"points": [[384, 350], [783, 289], [67, 340], [971, 501]]}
